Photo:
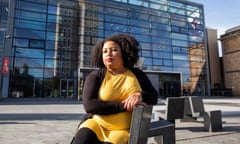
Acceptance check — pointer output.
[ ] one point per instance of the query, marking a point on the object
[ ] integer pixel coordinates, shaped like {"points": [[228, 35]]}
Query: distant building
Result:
{"points": [[231, 57]]}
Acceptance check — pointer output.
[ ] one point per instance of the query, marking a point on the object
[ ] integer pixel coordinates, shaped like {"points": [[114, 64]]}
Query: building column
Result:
{"points": [[7, 50]]}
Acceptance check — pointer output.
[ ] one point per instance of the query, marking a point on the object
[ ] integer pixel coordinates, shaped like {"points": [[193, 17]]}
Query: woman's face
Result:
{"points": [[112, 55]]}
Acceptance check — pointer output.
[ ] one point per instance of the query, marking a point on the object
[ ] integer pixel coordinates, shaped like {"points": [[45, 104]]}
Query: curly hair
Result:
{"points": [[129, 48]]}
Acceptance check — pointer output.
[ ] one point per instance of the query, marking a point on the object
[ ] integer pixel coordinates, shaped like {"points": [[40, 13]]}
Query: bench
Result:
{"points": [[142, 128], [194, 109], [174, 109]]}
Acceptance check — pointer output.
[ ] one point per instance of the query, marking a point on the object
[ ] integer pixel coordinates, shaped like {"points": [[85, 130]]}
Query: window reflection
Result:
{"points": [[31, 15], [29, 53], [177, 11], [28, 33], [180, 56], [52, 18], [146, 53], [30, 24], [49, 63], [181, 63], [50, 44], [179, 36], [167, 62], [148, 61], [117, 12], [157, 62], [177, 49], [31, 62], [49, 54], [159, 6], [36, 43], [31, 6], [18, 42], [180, 43], [49, 72], [139, 2], [184, 70], [52, 9], [160, 26], [38, 73]]}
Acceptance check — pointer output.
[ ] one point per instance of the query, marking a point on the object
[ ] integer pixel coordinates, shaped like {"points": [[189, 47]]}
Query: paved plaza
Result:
{"points": [[51, 121]]}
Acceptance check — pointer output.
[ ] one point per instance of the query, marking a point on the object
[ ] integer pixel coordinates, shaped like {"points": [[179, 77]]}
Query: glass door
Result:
{"points": [[66, 88]]}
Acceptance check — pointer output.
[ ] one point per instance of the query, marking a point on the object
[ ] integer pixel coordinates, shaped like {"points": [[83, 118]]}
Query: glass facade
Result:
{"points": [[51, 41]]}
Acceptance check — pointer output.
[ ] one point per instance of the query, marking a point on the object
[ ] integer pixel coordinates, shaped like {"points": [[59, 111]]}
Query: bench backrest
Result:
{"points": [[175, 108], [140, 124], [193, 105], [196, 103]]}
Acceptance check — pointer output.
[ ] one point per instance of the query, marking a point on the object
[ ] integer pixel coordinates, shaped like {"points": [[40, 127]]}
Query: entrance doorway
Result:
{"points": [[170, 84], [66, 88]]}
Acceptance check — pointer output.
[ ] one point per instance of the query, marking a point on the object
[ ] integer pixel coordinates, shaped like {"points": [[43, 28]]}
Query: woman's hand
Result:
{"points": [[132, 100]]}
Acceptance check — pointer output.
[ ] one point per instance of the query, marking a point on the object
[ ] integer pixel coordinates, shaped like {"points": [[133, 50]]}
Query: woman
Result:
{"points": [[110, 93]]}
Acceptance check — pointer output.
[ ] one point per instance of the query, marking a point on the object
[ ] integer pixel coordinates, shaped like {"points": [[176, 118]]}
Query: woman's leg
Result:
{"points": [[119, 136], [85, 136]]}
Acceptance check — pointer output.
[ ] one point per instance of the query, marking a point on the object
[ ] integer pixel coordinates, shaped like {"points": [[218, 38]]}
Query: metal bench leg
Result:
{"points": [[170, 138], [212, 120], [163, 132]]}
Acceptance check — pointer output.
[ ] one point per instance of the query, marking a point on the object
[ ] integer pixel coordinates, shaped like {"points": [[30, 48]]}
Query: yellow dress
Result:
{"points": [[114, 128]]}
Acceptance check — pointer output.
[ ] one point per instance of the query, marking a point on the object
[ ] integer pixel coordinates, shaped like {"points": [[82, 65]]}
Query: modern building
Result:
{"points": [[46, 44], [231, 57]]}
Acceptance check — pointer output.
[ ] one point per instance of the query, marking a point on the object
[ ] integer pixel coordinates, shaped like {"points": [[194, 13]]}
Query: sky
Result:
{"points": [[221, 14]]}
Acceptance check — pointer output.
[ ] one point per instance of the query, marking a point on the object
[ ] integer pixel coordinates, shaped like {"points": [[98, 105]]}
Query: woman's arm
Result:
{"points": [[149, 94], [90, 97]]}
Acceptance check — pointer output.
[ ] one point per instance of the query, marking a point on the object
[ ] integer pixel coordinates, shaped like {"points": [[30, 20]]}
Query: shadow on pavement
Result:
{"points": [[11, 122], [37, 101], [41, 116]]}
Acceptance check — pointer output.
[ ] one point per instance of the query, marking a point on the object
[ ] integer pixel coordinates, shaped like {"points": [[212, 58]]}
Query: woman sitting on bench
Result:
{"points": [[111, 92]]}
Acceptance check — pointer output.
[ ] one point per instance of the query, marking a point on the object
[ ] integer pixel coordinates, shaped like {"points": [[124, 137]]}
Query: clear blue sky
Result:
{"points": [[221, 14]]}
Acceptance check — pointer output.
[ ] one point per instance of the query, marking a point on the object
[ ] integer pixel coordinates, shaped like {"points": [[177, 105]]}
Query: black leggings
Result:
{"points": [[86, 136]]}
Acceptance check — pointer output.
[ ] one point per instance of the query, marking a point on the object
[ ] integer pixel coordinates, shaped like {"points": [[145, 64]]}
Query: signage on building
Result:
{"points": [[5, 65]]}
